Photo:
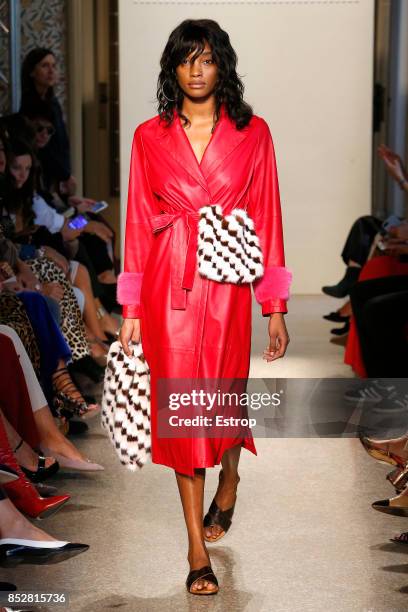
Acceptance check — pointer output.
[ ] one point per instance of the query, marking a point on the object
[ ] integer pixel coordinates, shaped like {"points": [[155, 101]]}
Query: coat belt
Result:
{"points": [[183, 252]]}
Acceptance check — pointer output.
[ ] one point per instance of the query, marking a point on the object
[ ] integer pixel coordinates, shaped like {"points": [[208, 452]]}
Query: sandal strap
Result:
{"points": [[204, 572], [65, 385], [216, 516], [18, 445]]}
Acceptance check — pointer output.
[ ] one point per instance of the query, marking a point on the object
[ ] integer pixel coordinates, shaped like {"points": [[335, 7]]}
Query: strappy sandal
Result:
{"points": [[402, 538], [65, 404], [216, 516], [205, 572], [42, 472]]}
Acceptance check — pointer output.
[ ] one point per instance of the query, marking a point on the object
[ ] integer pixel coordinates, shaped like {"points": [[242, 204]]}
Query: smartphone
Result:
{"points": [[78, 222], [99, 206]]}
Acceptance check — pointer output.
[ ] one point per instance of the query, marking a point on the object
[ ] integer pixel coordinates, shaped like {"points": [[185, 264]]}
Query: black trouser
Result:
{"points": [[380, 309], [360, 239], [97, 251]]}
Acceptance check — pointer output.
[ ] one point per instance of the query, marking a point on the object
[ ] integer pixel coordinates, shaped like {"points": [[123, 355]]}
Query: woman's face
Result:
{"points": [[198, 78], [43, 132], [20, 168], [45, 72], [2, 158]]}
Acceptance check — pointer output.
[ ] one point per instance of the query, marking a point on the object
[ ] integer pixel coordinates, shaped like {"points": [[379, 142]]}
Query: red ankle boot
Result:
{"points": [[21, 492]]}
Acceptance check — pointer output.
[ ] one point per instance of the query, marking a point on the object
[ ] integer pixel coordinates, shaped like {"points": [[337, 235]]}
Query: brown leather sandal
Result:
{"points": [[206, 573]]}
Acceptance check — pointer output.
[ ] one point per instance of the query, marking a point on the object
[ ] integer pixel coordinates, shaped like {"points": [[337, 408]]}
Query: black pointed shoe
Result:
{"points": [[42, 472], [14, 551], [388, 507], [7, 586], [204, 573]]}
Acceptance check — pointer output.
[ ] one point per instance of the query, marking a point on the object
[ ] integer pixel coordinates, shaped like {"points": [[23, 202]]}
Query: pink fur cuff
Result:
{"points": [[274, 283], [128, 288]]}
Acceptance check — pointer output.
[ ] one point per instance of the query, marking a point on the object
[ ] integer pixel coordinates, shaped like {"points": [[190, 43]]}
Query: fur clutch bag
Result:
{"points": [[126, 405], [228, 247]]}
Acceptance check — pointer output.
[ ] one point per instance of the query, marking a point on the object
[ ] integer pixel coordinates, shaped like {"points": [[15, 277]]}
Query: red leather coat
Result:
{"points": [[191, 326]]}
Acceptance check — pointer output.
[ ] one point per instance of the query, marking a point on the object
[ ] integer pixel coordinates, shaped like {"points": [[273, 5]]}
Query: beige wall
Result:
{"points": [[307, 68]]}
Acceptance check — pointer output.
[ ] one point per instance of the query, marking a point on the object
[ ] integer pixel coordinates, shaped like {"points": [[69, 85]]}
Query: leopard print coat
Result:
{"points": [[72, 326]]}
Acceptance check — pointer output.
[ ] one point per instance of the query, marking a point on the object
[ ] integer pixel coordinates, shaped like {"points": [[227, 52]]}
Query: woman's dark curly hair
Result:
{"points": [[19, 200], [191, 35]]}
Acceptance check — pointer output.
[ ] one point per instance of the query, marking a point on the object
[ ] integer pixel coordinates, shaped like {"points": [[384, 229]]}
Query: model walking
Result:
{"points": [[205, 146]]}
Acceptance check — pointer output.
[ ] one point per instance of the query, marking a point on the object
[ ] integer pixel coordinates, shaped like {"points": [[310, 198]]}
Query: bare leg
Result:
{"points": [[25, 454], [63, 382], [14, 525], [106, 321], [107, 276], [83, 282], [52, 438], [226, 493], [192, 498], [345, 310]]}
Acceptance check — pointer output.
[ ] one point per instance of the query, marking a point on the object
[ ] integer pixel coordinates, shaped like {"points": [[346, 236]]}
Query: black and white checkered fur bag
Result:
{"points": [[126, 405], [228, 247]]}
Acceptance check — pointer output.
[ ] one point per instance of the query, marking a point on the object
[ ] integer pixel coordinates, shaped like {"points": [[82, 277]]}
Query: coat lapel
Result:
{"points": [[223, 141], [176, 143]]}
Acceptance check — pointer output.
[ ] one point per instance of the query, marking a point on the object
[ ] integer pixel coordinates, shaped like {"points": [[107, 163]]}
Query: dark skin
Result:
{"points": [[197, 78]]}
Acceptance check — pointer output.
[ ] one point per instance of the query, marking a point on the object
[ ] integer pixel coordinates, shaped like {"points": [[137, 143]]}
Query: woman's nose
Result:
{"points": [[195, 69]]}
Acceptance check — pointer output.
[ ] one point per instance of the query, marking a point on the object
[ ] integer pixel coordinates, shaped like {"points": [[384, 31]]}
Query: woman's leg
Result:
{"points": [[108, 323], [13, 524], [227, 490], [51, 437], [192, 498], [24, 454], [83, 282]]}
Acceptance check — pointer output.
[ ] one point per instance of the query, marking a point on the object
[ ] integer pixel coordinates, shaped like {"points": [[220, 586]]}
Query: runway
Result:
{"points": [[303, 538]]}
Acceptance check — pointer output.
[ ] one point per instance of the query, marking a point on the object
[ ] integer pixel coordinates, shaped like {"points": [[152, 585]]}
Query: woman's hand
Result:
{"points": [[11, 286], [27, 278], [400, 231], [53, 290], [393, 163], [99, 229], [69, 234], [396, 247], [278, 337], [130, 330], [81, 204], [61, 261]]}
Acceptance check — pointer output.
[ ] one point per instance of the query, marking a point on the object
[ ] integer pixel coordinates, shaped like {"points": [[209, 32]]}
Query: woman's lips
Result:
{"points": [[196, 85]]}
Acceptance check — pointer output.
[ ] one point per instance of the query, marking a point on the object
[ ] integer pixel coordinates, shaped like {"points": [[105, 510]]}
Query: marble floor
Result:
{"points": [[304, 537]]}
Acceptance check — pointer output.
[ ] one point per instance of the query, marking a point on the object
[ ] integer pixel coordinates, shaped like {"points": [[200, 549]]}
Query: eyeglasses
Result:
{"points": [[49, 129]]}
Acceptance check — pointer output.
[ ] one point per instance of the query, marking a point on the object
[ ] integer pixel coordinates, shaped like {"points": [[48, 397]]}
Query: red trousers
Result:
{"points": [[14, 398]]}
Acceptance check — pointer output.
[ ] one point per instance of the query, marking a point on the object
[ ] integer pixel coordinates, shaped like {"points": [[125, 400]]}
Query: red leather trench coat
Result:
{"points": [[193, 327]]}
